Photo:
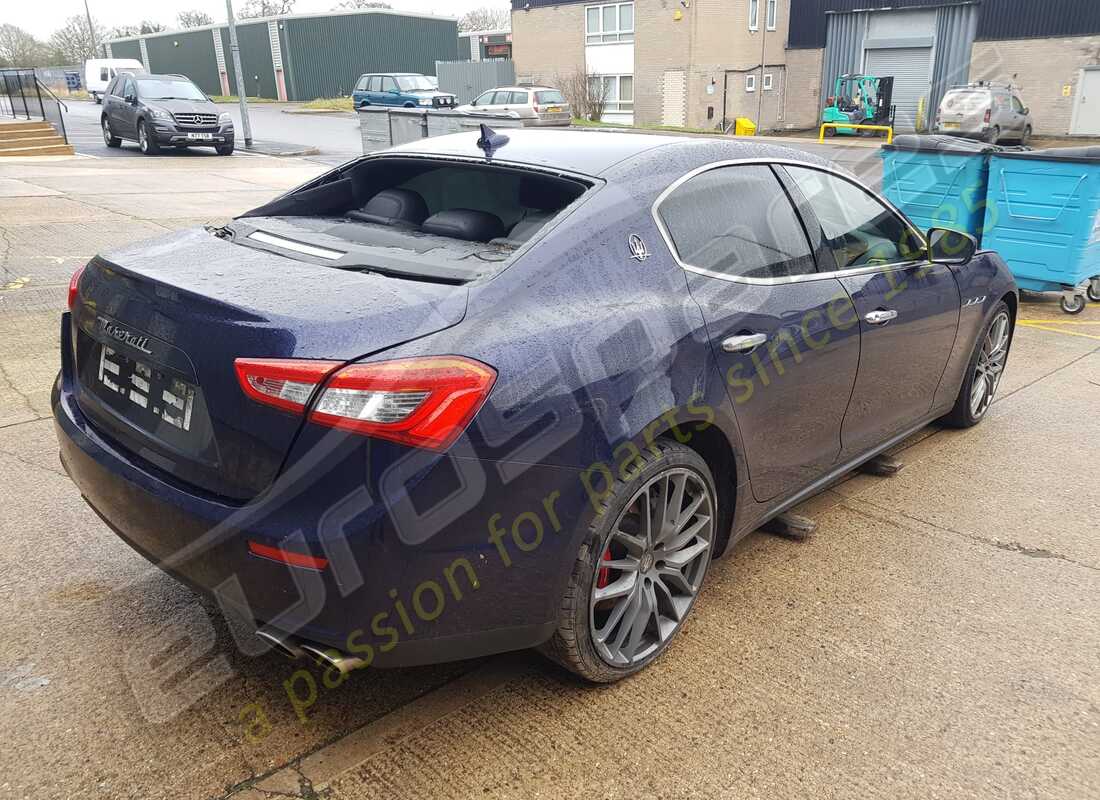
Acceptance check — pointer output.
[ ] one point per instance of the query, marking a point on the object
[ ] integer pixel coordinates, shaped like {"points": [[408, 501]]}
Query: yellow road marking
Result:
{"points": [[1058, 330], [18, 283], [1059, 321]]}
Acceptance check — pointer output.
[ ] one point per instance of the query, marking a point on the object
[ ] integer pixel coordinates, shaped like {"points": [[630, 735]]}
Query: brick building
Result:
{"points": [[704, 62]]}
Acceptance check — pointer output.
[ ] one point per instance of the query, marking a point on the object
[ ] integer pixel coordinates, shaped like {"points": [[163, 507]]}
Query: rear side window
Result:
{"points": [[103, 73], [859, 229], [737, 221], [518, 99], [549, 96], [389, 84]]}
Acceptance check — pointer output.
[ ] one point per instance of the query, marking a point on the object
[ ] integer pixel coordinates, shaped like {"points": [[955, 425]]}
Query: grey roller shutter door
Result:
{"points": [[911, 68]]}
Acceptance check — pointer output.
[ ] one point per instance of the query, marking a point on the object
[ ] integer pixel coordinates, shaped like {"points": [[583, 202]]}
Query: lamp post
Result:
{"points": [[91, 29], [235, 50]]}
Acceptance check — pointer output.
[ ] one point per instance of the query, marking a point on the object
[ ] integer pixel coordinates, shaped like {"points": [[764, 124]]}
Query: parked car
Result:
{"points": [[480, 393], [98, 72], [407, 89], [535, 105], [163, 110], [984, 111]]}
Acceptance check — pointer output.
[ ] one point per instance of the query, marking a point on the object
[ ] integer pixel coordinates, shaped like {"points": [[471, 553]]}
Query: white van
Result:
{"points": [[98, 72]]}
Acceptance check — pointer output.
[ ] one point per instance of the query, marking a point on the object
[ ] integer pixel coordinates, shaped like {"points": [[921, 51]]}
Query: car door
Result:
{"points": [[123, 112], [482, 101], [788, 369], [390, 94], [1020, 114], [906, 307]]}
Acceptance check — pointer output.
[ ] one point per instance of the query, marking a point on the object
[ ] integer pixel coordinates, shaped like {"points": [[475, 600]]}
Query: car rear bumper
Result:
{"points": [[563, 121], [376, 583]]}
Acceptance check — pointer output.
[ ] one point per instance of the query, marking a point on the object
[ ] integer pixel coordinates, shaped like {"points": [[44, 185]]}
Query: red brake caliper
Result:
{"points": [[603, 577]]}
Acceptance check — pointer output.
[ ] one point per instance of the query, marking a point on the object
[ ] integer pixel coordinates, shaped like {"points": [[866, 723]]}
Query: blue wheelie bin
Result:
{"points": [[1042, 216], [938, 181]]}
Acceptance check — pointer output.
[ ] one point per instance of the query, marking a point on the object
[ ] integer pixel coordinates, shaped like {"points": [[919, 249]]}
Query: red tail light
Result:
{"points": [[422, 402], [74, 283], [287, 556], [536, 108], [988, 114]]}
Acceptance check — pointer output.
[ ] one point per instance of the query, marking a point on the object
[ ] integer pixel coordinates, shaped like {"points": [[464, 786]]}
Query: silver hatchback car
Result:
{"points": [[984, 111], [535, 105]]}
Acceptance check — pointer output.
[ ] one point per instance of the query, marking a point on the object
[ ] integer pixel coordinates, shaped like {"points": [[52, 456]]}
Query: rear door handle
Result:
{"points": [[881, 317], [744, 344]]}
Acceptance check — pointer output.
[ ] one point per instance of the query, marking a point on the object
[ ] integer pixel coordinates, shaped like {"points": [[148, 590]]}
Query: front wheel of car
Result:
{"points": [[640, 567], [983, 374], [1026, 136], [146, 140], [109, 138], [224, 150], [993, 135]]}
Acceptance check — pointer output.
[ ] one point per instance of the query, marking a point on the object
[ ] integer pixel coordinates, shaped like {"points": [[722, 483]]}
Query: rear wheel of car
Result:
{"points": [[1026, 137], [109, 139], [224, 150], [983, 374], [146, 141], [640, 567]]}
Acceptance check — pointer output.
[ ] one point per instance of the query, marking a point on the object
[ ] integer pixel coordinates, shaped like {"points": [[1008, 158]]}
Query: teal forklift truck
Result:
{"points": [[859, 100]]}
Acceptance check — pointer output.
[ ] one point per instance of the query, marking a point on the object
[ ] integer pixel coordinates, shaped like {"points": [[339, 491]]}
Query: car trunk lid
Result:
{"points": [[157, 328]]}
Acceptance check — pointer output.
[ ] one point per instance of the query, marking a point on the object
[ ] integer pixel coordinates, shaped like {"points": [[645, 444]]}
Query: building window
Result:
{"points": [[617, 91], [754, 15], [767, 81], [609, 24], [750, 83], [771, 17]]}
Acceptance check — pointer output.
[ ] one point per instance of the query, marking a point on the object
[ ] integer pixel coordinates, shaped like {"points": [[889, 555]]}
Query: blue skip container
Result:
{"points": [[1041, 215], [938, 181]]}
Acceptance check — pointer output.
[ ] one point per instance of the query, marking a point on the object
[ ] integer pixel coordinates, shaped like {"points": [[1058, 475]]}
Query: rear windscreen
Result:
{"points": [[965, 101], [550, 96]]}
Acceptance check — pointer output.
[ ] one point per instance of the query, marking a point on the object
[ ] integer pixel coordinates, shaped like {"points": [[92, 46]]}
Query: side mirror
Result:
{"points": [[1027, 110], [131, 99], [946, 246]]}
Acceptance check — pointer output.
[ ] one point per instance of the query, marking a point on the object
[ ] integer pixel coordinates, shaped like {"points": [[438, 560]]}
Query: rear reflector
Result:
{"points": [[74, 284], [287, 556], [421, 402]]}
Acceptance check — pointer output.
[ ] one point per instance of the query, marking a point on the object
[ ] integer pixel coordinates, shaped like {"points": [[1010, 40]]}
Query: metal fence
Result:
{"points": [[24, 96], [467, 79]]}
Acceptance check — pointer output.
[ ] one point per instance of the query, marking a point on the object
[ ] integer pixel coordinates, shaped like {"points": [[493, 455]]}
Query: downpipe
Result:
{"points": [[294, 649]]}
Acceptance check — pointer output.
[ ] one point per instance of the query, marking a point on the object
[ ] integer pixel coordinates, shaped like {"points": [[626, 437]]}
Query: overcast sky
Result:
{"points": [[41, 17]]}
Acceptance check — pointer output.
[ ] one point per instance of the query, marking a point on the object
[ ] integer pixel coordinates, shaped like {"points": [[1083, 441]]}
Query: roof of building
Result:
{"points": [[592, 152]]}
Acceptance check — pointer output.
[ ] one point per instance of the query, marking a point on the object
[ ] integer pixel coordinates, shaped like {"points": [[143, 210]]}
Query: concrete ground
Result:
{"points": [[937, 637]]}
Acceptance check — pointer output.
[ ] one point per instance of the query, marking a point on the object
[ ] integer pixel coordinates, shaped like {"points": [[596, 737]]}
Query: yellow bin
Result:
{"points": [[744, 127]]}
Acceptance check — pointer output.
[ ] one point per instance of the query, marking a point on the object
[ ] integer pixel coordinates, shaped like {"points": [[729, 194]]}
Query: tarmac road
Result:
{"points": [[937, 637]]}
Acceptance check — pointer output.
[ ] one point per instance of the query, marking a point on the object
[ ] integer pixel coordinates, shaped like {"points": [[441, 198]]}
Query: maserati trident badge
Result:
{"points": [[638, 250]]}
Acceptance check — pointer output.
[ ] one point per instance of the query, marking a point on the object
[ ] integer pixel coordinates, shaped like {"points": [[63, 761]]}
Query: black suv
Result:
{"points": [[163, 110]]}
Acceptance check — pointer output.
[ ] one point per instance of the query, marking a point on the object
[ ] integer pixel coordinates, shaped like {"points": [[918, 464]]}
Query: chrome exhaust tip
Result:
{"points": [[332, 657], [281, 643]]}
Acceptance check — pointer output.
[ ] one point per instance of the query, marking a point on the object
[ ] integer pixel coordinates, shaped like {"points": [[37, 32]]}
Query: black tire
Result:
{"points": [[109, 139], [572, 644], [409, 105], [147, 142], [224, 150], [830, 133], [1076, 306], [1092, 292], [1025, 137], [963, 414], [993, 135], [364, 104]]}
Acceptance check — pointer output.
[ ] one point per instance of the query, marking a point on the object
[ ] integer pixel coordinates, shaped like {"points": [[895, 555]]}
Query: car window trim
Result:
{"points": [[654, 212]]}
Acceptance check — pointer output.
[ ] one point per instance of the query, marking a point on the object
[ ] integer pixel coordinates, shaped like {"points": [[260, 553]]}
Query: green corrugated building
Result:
{"points": [[298, 56]]}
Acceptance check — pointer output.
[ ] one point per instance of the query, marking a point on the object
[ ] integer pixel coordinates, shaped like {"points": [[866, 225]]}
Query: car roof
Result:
{"points": [[596, 152], [395, 74], [161, 76]]}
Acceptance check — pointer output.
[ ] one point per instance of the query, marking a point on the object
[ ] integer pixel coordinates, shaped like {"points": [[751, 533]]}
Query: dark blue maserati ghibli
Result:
{"points": [[485, 392]]}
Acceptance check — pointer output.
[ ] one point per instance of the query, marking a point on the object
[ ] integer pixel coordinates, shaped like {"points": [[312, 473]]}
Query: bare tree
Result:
{"points": [[486, 18], [265, 8], [194, 19], [73, 42], [143, 28], [19, 48], [359, 5], [587, 93]]}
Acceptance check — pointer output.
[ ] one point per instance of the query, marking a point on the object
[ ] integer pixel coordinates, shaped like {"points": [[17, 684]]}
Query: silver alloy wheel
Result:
{"points": [[991, 363], [143, 142], [652, 567], [107, 131]]}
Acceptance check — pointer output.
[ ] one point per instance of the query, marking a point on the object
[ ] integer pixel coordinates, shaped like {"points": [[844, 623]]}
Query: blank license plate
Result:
{"points": [[201, 136], [951, 126], [554, 109], [149, 394]]}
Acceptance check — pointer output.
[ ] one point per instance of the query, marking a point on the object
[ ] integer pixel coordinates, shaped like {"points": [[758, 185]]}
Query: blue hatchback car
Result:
{"points": [[478, 393], [402, 89]]}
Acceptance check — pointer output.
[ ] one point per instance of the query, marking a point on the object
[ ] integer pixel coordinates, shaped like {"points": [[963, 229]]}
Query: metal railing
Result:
{"points": [[24, 96]]}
